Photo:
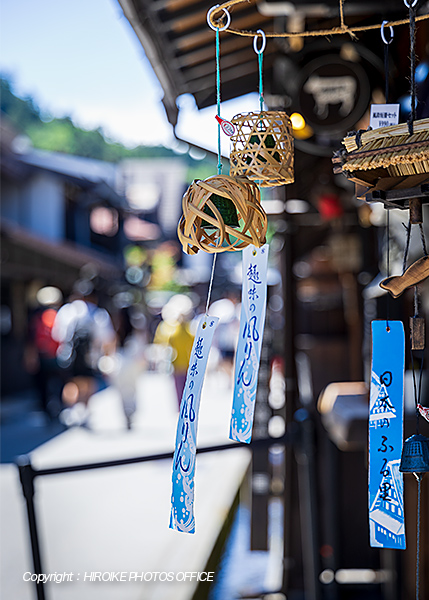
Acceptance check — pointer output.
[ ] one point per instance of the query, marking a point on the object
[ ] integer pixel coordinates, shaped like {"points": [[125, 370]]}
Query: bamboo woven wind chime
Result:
{"points": [[262, 147], [223, 212]]}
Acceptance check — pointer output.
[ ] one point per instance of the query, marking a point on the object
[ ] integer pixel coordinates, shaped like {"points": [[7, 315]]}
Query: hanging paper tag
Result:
{"points": [[182, 497], [227, 127], [424, 411], [386, 417], [384, 115], [252, 321]]}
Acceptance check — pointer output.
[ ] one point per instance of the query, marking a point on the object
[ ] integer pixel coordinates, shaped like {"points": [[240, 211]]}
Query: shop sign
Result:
{"points": [[333, 94]]}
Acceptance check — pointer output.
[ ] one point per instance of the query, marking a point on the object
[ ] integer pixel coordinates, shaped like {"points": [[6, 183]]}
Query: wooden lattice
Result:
{"points": [[215, 236], [262, 148]]}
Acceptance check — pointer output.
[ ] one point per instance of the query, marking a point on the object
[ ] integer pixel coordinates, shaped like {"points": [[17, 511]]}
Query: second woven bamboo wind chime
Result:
{"points": [[224, 213], [391, 165]]}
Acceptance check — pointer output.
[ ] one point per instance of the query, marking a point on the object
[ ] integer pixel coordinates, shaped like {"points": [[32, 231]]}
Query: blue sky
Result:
{"points": [[81, 58]]}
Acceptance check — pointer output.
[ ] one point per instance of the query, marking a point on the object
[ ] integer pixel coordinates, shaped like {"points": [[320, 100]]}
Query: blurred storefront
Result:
{"points": [[61, 218]]}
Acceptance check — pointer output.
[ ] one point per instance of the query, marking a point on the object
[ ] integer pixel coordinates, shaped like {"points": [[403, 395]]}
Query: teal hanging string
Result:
{"points": [[260, 53], [219, 155], [217, 29]]}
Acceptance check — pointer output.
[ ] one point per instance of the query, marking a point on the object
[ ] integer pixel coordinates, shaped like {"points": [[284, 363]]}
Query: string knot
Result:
{"points": [[218, 24]]}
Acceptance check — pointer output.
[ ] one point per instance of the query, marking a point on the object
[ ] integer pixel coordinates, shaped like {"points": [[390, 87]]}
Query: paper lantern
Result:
{"points": [[262, 148], [221, 213]]}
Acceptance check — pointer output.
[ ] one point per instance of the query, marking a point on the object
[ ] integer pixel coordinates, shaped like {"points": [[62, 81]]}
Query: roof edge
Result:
{"points": [[155, 56]]}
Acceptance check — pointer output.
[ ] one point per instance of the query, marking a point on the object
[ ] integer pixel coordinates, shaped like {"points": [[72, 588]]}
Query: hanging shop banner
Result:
{"points": [[182, 497], [252, 321], [386, 420]]}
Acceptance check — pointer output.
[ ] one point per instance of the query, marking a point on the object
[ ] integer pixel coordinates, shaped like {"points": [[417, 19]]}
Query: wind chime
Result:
{"points": [[224, 213], [262, 147], [391, 165]]}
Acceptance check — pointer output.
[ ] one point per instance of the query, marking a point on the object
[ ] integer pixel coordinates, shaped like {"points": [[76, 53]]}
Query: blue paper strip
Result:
{"points": [[182, 496], [252, 321], [386, 416]]}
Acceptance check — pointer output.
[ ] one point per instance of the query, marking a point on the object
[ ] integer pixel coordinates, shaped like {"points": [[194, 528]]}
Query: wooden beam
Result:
{"points": [[229, 45], [227, 62], [233, 74], [203, 37], [193, 19]]}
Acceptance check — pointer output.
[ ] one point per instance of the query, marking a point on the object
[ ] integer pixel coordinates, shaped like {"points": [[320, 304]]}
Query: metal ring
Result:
{"points": [[410, 5], [383, 37], [255, 42], [228, 19]]}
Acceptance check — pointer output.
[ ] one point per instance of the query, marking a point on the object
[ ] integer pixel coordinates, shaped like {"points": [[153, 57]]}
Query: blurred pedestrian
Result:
{"points": [[226, 335], [174, 331], [85, 335], [129, 362], [41, 350]]}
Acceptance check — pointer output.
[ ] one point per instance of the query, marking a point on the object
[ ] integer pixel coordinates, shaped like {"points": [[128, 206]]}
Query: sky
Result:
{"points": [[82, 59]]}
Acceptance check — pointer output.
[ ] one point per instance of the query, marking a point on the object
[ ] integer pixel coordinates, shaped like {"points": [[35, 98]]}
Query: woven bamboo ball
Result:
{"points": [[262, 148], [202, 227]]}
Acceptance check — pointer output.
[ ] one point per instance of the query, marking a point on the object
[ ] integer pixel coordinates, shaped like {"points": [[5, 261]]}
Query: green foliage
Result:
{"points": [[61, 135], [204, 168], [21, 113], [201, 170]]}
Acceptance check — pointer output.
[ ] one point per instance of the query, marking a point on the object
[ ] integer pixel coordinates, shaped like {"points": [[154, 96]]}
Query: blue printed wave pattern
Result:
{"points": [[182, 496], [252, 321]]}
